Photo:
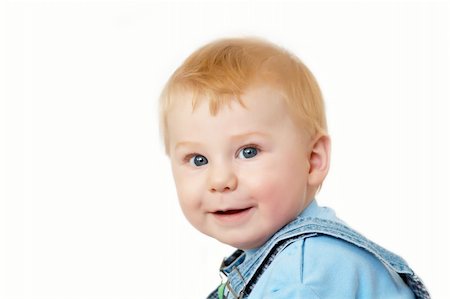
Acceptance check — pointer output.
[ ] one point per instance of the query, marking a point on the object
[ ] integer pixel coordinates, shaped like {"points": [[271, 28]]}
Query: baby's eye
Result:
{"points": [[248, 152], [198, 160]]}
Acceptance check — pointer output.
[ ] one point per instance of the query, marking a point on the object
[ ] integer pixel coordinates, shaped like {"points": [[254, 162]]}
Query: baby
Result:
{"points": [[244, 126]]}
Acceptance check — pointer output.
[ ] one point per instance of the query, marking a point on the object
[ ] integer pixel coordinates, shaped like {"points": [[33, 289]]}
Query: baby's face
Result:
{"points": [[242, 174]]}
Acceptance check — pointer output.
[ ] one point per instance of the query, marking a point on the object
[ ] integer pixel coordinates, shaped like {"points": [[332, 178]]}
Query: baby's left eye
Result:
{"points": [[248, 152]]}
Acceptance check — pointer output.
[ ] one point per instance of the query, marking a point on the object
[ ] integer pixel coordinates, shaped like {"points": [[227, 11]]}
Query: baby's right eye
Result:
{"points": [[198, 160]]}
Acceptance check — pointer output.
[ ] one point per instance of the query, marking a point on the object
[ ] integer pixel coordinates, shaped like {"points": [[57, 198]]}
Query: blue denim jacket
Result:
{"points": [[318, 256]]}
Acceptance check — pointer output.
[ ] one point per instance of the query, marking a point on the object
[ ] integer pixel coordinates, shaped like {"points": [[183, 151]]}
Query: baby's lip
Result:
{"points": [[229, 211]]}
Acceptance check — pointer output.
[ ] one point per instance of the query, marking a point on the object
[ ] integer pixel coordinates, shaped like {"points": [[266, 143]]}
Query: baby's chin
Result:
{"points": [[241, 243], [243, 237]]}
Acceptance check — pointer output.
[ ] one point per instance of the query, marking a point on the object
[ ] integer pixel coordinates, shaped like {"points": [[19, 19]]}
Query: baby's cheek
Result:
{"points": [[191, 204], [268, 191], [279, 197], [189, 198]]}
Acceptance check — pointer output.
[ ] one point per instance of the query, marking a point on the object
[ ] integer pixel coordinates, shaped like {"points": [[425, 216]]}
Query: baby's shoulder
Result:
{"points": [[324, 249], [330, 267], [319, 253]]}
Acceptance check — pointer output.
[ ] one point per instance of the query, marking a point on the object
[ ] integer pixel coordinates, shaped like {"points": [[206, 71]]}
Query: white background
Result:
{"points": [[88, 208]]}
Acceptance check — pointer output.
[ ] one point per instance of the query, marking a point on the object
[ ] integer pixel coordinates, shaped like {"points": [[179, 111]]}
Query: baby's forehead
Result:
{"points": [[191, 98], [261, 107]]}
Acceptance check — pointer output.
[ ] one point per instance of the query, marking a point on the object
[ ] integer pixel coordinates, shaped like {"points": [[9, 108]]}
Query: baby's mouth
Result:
{"points": [[233, 216], [231, 212]]}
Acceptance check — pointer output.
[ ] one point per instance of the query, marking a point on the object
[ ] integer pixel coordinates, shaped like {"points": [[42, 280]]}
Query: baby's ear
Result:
{"points": [[319, 160]]}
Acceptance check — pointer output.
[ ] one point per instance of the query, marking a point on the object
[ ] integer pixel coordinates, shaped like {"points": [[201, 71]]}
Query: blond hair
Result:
{"points": [[222, 70]]}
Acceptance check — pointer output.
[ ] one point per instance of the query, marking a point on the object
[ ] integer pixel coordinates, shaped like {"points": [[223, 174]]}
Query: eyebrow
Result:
{"points": [[233, 137]]}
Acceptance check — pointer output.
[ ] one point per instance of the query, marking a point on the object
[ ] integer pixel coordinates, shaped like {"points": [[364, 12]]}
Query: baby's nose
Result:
{"points": [[222, 179]]}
